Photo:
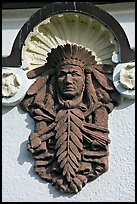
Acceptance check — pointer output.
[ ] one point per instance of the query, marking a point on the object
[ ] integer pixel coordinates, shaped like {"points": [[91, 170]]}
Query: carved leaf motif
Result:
{"points": [[61, 156], [60, 115], [64, 161], [61, 122], [76, 130], [74, 149], [78, 113], [72, 156], [77, 121], [26, 102], [48, 111], [76, 140], [62, 148], [61, 130], [103, 96], [69, 142], [41, 113], [61, 139]]}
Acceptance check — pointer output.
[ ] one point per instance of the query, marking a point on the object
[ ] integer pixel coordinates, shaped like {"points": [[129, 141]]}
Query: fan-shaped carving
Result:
{"points": [[72, 28]]}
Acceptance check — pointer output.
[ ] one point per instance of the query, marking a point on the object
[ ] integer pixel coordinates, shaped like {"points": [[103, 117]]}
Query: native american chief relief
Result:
{"points": [[70, 102]]}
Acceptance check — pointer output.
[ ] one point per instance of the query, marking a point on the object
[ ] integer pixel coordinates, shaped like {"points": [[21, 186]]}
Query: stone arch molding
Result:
{"points": [[125, 52], [70, 141]]}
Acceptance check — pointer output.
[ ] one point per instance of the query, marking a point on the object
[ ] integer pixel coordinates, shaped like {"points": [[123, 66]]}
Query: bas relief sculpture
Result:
{"points": [[77, 53], [70, 102]]}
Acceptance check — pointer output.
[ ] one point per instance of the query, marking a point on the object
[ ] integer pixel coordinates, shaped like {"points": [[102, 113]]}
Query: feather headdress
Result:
{"points": [[70, 54]]}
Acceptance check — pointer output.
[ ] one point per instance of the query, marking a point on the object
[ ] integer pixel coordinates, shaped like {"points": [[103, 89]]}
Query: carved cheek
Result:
{"points": [[60, 82], [79, 83]]}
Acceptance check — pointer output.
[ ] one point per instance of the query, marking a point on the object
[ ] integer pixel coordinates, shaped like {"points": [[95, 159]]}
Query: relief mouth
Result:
{"points": [[68, 88]]}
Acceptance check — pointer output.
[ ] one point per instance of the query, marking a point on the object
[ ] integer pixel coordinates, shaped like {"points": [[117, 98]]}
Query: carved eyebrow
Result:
{"points": [[62, 72], [76, 72], [70, 72]]}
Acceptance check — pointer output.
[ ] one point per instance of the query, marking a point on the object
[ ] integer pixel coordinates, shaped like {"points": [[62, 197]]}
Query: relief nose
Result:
{"points": [[68, 78]]}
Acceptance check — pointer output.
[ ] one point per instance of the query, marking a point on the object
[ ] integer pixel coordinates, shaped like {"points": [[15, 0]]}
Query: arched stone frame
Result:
{"points": [[14, 60], [126, 53]]}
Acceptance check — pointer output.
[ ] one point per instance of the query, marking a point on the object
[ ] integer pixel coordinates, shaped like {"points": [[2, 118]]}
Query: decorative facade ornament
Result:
{"points": [[14, 86], [127, 77], [72, 28], [70, 103], [10, 84], [71, 49], [124, 79]]}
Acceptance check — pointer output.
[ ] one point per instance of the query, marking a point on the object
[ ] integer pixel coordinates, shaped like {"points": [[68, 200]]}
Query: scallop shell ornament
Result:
{"points": [[71, 28]]}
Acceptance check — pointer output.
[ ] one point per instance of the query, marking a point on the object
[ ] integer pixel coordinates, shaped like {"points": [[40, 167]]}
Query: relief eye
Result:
{"points": [[61, 74], [74, 74]]}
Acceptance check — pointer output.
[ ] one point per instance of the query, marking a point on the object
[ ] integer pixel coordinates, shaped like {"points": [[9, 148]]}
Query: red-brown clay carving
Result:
{"points": [[70, 102]]}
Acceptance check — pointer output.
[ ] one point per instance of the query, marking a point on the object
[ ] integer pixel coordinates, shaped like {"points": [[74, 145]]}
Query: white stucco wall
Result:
{"points": [[21, 184]]}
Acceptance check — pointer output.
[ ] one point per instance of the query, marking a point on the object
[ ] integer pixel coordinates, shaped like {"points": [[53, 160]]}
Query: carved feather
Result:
{"points": [[41, 113], [62, 148], [76, 140], [103, 80], [104, 68], [37, 85], [39, 71], [40, 95], [35, 72], [62, 155], [47, 129], [78, 113], [61, 139], [60, 131], [77, 121], [75, 151], [69, 144], [76, 130], [99, 137]]}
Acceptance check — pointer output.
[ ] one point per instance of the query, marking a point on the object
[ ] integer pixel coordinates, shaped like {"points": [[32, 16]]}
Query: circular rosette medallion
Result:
{"points": [[14, 86], [124, 79]]}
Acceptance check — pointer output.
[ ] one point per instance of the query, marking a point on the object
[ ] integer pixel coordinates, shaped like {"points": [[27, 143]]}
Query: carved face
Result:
{"points": [[71, 80]]}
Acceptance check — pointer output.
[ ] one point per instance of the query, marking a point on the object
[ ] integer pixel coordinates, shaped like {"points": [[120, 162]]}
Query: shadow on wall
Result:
{"points": [[125, 103], [6, 109], [25, 156], [30, 124]]}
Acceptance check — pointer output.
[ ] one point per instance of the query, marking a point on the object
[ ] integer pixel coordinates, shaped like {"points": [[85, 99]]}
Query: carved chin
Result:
{"points": [[68, 95]]}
